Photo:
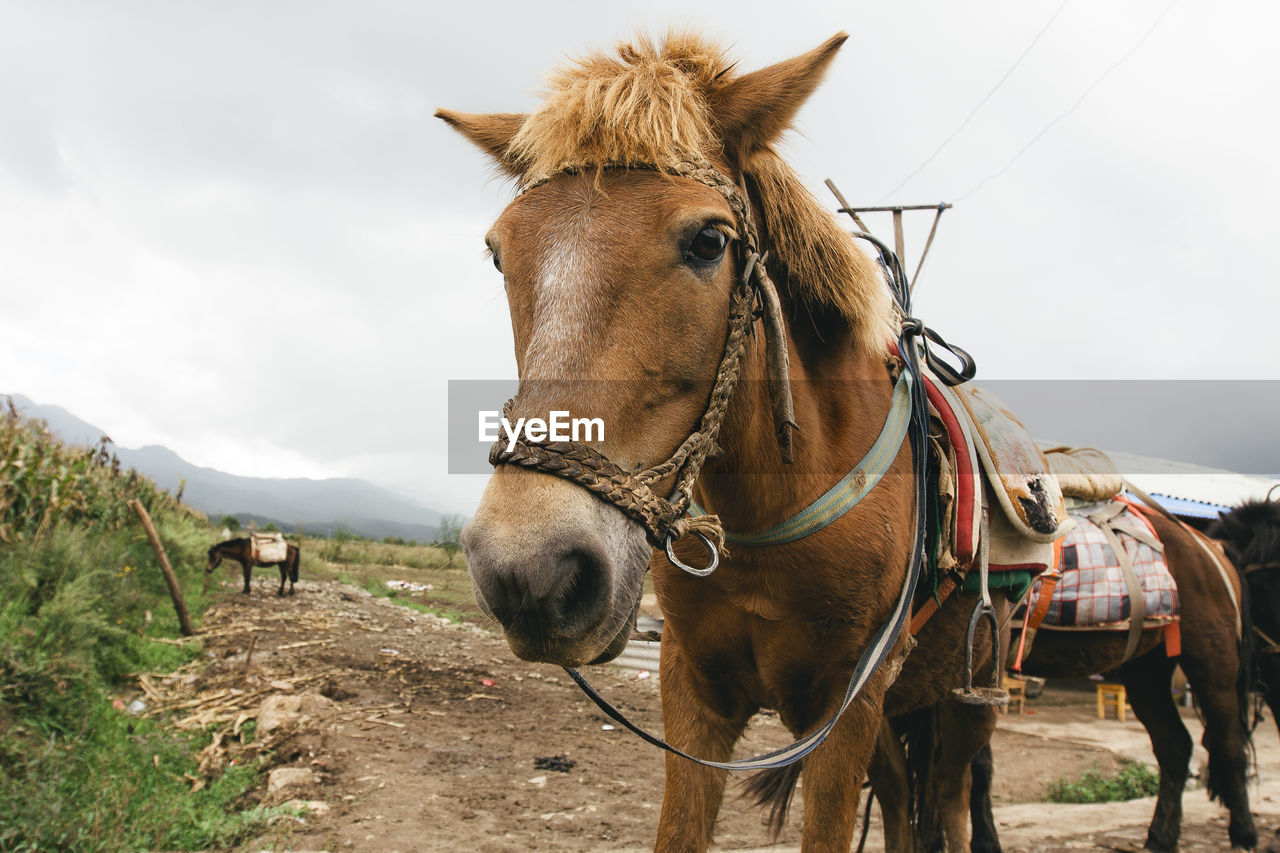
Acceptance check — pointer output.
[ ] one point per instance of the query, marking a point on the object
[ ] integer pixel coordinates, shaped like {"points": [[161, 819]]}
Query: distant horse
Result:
{"points": [[652, 201], [241, 550], [1216, 662], [1251, 534]]}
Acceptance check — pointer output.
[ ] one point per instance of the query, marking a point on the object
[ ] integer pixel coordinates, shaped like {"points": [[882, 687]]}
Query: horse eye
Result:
{"points": [[497, 264], [707, 246]]}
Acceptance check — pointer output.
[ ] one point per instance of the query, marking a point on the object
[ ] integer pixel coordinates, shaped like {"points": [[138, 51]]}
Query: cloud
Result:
{"points": [[238, 231]]}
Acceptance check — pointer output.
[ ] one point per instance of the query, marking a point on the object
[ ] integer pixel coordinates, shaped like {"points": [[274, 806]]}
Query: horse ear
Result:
{"points": [[491, 132], [755, 109]]}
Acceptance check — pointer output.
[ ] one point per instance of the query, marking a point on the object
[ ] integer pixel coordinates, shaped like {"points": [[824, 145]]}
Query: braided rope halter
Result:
{"points": [[665, 519]]}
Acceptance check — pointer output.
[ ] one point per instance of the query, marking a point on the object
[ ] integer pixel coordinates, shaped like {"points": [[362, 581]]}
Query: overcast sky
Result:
{"points": [[235, 228]]}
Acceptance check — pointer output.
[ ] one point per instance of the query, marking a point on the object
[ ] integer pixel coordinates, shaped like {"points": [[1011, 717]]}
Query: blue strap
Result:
{"points": [[855, 485]]}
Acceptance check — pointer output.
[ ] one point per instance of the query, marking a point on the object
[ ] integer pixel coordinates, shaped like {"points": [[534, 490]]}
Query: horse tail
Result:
{"points": [[1248, 677], [774, 787], [917, 730]]}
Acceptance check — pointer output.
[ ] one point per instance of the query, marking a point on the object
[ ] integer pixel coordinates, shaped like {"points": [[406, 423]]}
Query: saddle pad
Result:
{"points": [[270, 548], [1015, 467], [1092, 590]]}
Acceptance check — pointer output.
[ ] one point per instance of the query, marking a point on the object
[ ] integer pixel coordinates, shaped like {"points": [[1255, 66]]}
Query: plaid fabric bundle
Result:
{"points": [[1093, 591]]}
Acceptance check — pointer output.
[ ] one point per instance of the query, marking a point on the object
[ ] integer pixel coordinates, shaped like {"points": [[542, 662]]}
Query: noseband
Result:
{"points": [[635, 492]]}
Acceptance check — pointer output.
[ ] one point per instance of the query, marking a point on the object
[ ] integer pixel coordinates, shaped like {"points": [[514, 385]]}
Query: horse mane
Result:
{"points": [[1252, 527], [653, 105]]}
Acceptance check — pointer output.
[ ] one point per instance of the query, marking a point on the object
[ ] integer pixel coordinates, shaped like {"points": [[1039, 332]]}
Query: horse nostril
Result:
{"points": [[578, 600], [543, 593]]}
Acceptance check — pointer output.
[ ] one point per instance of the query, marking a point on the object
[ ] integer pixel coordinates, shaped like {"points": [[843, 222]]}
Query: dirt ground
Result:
{"points": [[432, 736]]}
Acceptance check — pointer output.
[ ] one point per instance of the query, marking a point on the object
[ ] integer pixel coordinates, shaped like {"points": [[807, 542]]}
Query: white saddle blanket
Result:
{"points": [[270, 548]]}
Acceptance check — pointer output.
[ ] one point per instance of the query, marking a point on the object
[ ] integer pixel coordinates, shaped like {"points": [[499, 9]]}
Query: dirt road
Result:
{"points": [[431, 736]]}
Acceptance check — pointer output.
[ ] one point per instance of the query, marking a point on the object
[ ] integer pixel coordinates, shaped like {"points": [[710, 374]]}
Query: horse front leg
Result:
{"points": [[284, 576], [693, 793], [246, 568], [834, 771]]}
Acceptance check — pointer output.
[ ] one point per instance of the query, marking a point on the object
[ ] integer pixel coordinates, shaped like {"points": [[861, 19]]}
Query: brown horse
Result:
{"points": [[623, 254], [1215, 659], [241, 550]]}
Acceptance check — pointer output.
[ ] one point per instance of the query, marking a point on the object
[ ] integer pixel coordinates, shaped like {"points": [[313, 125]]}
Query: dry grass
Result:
{"points": [[370, 565]]}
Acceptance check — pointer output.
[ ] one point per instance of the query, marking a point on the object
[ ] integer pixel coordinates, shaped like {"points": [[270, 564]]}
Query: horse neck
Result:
{"points": [[841, 395]]}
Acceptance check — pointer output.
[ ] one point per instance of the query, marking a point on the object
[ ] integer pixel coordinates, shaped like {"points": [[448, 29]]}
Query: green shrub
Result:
{"points": [[43, 483], [81, 595], [1134, 780]]}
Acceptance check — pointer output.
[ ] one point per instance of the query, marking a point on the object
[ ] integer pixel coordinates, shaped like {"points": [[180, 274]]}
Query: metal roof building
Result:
{"points": [[1192, 491]]}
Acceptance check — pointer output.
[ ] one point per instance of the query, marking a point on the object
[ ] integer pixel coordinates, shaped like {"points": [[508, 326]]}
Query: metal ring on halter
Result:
{"points": [[696, 572]]}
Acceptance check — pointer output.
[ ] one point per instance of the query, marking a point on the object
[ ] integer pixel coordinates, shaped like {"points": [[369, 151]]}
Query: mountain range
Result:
{"points": [[318, 506]]}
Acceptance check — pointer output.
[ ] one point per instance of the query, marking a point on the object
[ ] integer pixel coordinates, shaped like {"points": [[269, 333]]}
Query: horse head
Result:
{"points": [[1251, 535], [621, 257], [215, 559]]}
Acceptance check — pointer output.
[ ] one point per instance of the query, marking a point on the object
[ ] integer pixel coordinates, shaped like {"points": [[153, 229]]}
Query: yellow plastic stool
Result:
{"points": [[1111, 693]]}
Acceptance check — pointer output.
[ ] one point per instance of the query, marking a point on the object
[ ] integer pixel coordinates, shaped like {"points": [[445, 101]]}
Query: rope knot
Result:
{"points": [[707, 526]]}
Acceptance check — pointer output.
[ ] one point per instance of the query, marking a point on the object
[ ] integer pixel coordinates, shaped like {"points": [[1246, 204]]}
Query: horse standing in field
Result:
{"points": [[241, 550], [640, 259]]}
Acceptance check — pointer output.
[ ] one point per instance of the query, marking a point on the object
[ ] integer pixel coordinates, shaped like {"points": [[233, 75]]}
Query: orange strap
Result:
{"points": [[930, 607], [1172, 640], [1048, 582]]}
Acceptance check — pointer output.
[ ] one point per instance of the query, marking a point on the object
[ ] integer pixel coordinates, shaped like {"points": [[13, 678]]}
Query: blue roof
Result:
{"points": [[1187, 507]]}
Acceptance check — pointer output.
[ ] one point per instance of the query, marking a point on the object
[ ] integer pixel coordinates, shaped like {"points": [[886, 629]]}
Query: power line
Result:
{"points": [[1105, 74], [981, 103]]}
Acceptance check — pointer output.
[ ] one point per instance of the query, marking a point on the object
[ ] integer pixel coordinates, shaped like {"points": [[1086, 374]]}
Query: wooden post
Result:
{"points": [[899, 240], [175, 592]]}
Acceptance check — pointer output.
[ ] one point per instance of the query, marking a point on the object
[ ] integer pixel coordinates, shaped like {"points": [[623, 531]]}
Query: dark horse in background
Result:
{"points": [[241, 550], [1251, 535]]}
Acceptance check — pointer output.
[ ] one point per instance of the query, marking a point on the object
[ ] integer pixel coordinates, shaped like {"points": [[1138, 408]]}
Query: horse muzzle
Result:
{"points": [[559, 570]]}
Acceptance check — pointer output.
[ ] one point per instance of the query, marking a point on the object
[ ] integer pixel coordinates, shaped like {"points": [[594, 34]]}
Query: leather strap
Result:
{"points": [[1137, 603], [1203, 542], [851, 489]]}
